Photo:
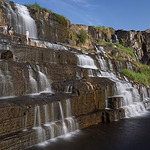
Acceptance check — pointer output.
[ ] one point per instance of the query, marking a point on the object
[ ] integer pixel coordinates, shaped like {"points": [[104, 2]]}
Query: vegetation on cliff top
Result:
{"points": [[60, 18], [37, 7], [142, 74]]}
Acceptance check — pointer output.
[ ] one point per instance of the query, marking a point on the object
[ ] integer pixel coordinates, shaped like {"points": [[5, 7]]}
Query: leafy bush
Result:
{"points": [[61, 19], [82, 36], [142, 77], [127, 50]]}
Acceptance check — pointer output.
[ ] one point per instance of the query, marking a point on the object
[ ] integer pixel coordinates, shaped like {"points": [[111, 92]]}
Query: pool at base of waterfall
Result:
{"points": [[126, 134]]}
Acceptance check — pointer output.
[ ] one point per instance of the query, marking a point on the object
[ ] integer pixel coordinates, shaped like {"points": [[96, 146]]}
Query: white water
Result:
{"points": [[86, 61], [6, 84], [68, 89], [44, 82], [110, 65], [101, 49], [52, 112], [37, 117], [102, 62], [90, 73], [25, 22], [132, 101], [55, 46], [51, 45], [46, 112], [33, 82], [73, 125], [37, 125], [21, 20], [25, 122], [64, 127]]}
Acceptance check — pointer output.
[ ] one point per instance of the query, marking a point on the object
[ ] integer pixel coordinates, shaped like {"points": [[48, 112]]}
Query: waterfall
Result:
{"points": [[33, 82], [21, 20], [46, 112], [55, 46], [44, 83], [6, 84], [11, 15], [37, 125], [132, 102], [25, 122], [72, 123], [102, 62], [37, 117], [85, 61], [100, 49], [90, 73], [110, 65], [64, 127], [52, 112], [52, 125], [68, 89]]}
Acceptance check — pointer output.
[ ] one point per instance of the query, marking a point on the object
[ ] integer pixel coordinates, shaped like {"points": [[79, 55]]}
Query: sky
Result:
{"points": [[118, 14]]}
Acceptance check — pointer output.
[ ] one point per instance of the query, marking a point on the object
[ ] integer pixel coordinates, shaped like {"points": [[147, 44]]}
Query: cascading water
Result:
{"points": [[37, 125], [21, 20], [33, 82], [103, 63], [90, 73], [52, 126], [46, 113], [44, 83], [73, 125], [132, 102], [6, 84], [86, 61], [68, 89], [110, 65], [131, 99], [100, 49], [41, 84], [64, 127], [25, 22]]}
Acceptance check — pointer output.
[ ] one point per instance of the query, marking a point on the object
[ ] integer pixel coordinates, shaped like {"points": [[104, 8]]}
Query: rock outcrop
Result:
{"points": [[50, 89]]}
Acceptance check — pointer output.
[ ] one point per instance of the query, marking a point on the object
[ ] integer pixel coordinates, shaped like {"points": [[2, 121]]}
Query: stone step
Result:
{"points": [[115, 102], [110, 115]]}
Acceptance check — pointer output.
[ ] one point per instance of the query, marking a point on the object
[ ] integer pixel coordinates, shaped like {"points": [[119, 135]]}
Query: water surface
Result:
{"points": [[126, 134]]}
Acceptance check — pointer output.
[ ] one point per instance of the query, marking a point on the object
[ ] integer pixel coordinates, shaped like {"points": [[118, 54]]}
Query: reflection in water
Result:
{"points": [[126, 134]]}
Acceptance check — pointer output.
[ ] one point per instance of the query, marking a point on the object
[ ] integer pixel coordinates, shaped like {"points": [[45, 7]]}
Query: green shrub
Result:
{"points": [[82, 36], [127, 50], [61, 19], [37, 7], [141, 77]]}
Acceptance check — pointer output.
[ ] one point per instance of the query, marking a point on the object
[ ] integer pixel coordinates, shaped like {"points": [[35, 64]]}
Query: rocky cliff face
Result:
{"points": [[56, 28], [48, 89], [139, 40]]}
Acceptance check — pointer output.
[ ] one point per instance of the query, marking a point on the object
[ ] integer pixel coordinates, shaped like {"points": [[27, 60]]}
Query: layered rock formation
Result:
{"points": [[48, 89]]}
